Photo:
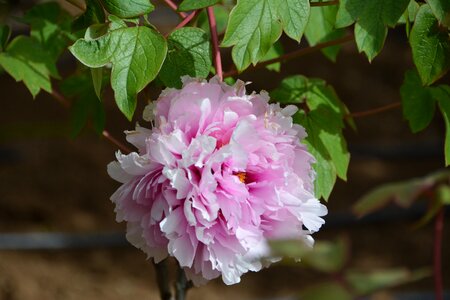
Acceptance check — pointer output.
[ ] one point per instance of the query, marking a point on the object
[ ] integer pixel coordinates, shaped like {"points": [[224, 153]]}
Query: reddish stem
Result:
{"points": [[174, 7], [215, 41], [374, 111], [438, 229], [184, 22], [326, 3], [294, 54], [114, 141]]}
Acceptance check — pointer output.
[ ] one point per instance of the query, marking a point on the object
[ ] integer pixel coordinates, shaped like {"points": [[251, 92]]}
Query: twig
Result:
{"points": [[438, 229], [76, 4], [162, 278], [66, 104], [294, 54], [215, 40], [174, 7], [184, 22], [374, 111], [326, 3], [182, 285]]}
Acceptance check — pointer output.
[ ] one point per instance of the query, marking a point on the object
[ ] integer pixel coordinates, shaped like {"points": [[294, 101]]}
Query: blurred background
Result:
{"points": [[51, 183]]}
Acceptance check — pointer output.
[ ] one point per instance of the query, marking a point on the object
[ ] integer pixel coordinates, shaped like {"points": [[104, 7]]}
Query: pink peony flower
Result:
{"points": [[218, 175]]}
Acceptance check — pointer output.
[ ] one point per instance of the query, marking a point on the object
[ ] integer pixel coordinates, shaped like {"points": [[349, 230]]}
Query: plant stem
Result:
{"points": [[215, 40], [182, 285], [374, 111], [326, 3], [162, 278], [174, 7], [294, 54], [186, 20], [66, 104], [438, 229]]}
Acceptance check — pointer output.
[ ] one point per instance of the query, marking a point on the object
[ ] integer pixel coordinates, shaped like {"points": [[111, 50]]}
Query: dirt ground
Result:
{"points": [[51, 183]]}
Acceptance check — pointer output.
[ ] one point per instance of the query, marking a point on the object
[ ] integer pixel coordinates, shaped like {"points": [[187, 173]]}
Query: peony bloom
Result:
{"points": [[218, 175]]}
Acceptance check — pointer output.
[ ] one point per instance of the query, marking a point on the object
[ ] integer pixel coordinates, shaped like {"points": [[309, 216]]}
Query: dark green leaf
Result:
{"points": [[275, 51], [136, 54], [51, 27], [442, 94], [188, 5], [441, 9], [129, 8], [5, 33], [366, 283], [323, 123], [255, 25], [372, 18], [417, 101], [86, 105], [321, 29], [94, 14], [329, 290], [97, 80], [430, 46], [26, 60], [189, 54]]}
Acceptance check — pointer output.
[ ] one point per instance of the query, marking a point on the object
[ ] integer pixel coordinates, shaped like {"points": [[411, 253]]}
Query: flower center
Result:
{"points": [[241, 176]]}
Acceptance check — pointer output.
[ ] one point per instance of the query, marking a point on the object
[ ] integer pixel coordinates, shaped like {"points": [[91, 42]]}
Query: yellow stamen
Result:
{"points": [[241, 176]]}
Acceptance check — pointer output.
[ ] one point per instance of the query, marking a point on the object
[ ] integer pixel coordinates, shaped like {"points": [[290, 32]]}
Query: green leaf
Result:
{"points": [[129, 8], [441, 9], [430, 46], [442, 94], [188, 5], [372, 18], [26, 60], [189, 54], [5, 33], [51, 27], [275, 51], [328, 290], [321, 29], [94, 14], [86, 105], [365, 283], [221, 13], [323, 123], [410, 13], [97, 81], [136, 54], [403, 193], [443, 194], [255, 25], [417, 101]]}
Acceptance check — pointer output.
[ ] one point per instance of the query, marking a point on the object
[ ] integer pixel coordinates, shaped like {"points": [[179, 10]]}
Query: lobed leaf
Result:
{"points": [[129, 8], [136, 55], [50, 25], [430, 46], [26, 60], [324, 123], [189, 54], [255, 25], [188, 5], [372, 18], [321, 28]]}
